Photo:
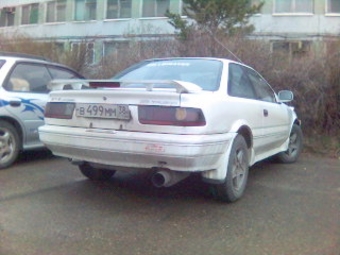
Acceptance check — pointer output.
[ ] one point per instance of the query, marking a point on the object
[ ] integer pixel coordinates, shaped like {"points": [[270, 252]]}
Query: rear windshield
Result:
{"points": [[204, 73], [2, 62]]}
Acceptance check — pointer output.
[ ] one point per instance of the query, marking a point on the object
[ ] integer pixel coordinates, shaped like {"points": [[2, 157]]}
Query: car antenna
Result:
{"points": [[223, 46]]}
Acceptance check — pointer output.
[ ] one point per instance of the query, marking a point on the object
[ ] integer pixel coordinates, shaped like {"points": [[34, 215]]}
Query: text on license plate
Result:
{"points": [[107, 111]]}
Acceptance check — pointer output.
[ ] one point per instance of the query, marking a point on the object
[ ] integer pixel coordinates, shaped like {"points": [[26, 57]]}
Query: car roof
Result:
{"points": [[17, 55]]}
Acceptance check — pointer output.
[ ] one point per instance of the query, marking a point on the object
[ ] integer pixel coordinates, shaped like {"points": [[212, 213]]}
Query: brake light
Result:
{"points": [[59, 110], [175, 116], [104, 84]]}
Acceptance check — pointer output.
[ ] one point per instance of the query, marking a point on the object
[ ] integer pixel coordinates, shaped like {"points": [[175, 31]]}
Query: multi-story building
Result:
{"points": [[107, 24]]}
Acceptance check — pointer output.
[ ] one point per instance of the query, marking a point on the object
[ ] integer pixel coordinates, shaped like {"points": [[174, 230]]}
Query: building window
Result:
{"points": [[84, 51], [56, 11], [90, 54], [59, 47], [252, 3], [293, 6], [183, 8], [116, 50], [333, 6], [255, 2], [118, 9], [85, 9], [291, 48], [7, 17], [30, 14], [155, 8]]}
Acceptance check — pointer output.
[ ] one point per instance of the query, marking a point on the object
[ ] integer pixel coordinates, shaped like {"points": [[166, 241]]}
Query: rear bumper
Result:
{"points": [[192, 153]]}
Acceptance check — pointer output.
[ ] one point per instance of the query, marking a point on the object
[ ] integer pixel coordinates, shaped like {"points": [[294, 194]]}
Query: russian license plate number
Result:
{"points": [[106, 111]]}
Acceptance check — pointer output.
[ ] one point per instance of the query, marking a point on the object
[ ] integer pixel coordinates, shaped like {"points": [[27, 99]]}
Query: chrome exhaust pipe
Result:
{"points": [[166, 178]]}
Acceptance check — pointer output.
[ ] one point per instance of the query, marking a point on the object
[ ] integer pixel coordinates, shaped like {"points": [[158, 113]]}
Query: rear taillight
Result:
{"points": [[59, 110], [175, 116], [104, 84]]}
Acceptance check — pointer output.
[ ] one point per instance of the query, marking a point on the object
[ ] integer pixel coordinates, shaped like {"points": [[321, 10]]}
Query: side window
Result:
{"points": [[28, 77], [61, 73], [2, 62], [239, 84], [263, 90]]}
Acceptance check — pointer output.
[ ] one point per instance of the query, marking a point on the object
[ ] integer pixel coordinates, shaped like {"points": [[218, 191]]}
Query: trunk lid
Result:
{"points": [[113, 94]]}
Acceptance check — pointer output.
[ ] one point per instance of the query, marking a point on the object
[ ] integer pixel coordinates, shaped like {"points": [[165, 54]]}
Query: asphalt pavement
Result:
{"points": [[48, 207]]}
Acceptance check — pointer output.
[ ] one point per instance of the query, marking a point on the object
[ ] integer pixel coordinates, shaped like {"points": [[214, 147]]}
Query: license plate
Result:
{"points": [[106, 111]]}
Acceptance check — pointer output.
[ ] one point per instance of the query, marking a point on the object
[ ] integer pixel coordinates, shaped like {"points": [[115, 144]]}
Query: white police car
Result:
{"points": [[23, 95]]}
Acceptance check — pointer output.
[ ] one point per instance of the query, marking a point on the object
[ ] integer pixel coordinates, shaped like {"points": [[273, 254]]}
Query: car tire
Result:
{"points": [[237, 173], [10, 144], [95, 174], [294, 148]]}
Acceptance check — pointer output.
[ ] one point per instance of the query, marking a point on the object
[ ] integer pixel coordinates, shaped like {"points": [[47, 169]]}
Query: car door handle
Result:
{"points": [[15, 102], [265, 113]]}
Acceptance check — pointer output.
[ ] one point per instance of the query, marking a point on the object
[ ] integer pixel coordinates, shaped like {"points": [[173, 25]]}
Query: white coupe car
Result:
{"points": [[174, 117]]}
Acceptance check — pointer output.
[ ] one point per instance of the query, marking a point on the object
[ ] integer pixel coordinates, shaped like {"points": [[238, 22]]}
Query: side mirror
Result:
{"points": [[285, 96]]}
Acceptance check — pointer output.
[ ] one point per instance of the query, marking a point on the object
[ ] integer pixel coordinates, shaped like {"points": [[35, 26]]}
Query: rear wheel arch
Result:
{"points": [[247, 135], [237, 168], [10, 143], [17, 126]]}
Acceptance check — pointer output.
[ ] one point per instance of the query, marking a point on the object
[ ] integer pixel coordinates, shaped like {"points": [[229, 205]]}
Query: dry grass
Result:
{"points": [[315, 80]]}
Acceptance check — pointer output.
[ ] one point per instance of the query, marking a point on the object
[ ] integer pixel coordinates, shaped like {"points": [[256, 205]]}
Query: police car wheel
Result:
{"points": [[9, 144]]}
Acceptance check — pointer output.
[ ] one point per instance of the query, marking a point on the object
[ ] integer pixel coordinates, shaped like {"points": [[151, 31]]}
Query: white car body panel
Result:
{"points": [[130, 144], [177, 152], [29, 113]]}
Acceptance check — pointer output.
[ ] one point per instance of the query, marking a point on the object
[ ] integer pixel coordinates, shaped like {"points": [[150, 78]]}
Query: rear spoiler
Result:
{"points": [[149, 85]]}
